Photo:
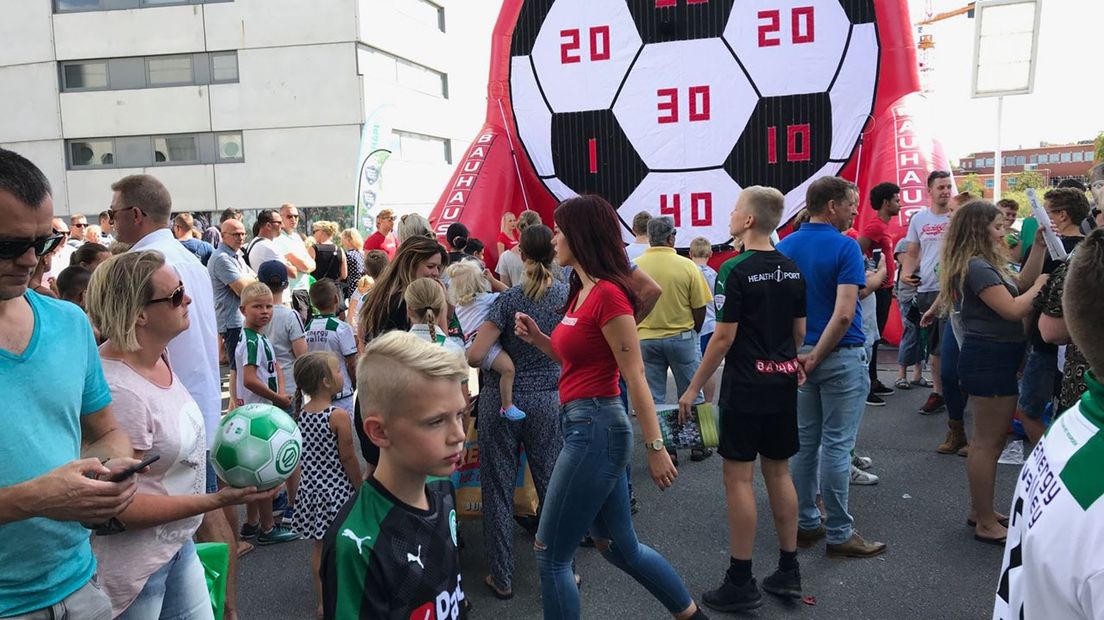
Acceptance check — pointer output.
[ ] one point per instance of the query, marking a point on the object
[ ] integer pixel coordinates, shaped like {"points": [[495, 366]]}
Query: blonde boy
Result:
{"points": [[260, 380], [391, 552]]}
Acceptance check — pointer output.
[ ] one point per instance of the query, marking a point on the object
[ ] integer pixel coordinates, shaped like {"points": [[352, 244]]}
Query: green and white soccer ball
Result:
{"points": [[256, 445]]}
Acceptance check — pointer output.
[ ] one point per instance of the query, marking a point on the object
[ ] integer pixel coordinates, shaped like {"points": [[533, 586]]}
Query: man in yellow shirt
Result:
{"points": [[669, 335]]}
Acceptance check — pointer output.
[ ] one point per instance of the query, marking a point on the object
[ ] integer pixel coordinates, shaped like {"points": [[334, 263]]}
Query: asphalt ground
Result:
{"points": [[933, 568]]}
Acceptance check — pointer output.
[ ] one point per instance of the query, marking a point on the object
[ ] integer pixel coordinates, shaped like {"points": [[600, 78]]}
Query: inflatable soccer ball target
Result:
{"points": [[673, 106]]}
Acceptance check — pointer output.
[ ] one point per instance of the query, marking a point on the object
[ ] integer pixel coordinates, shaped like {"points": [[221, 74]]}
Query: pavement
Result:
{"points": [[933, 568]]}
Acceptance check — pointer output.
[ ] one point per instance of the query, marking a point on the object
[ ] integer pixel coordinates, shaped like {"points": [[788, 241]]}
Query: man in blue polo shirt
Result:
{"points": [[830, 403]]}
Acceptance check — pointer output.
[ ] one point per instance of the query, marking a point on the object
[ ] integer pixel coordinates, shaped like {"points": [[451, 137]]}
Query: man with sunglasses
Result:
{"points": [[290, 243], [141, 211], [61, 442]]}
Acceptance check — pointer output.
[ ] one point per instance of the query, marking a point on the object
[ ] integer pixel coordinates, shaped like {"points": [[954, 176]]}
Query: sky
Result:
{"points": [[1067, 104]]}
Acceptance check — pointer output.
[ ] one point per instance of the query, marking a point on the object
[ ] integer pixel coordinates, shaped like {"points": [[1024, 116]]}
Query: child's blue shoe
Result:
{"points": [[513, 413]]}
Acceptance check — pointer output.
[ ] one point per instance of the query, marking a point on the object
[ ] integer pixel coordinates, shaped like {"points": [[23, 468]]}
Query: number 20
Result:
{"points": [[570, 44], [801, 26]]}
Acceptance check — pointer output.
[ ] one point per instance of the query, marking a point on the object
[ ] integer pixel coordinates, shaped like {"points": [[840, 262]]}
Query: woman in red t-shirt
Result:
{"points": [[594, 343], [507, 233]]}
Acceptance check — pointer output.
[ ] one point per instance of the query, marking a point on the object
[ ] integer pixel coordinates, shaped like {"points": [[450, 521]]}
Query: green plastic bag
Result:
{"points": [[215, 558]]}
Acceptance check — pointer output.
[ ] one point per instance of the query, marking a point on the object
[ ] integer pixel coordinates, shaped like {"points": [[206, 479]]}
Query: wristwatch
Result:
{"points": [[655, 446]]}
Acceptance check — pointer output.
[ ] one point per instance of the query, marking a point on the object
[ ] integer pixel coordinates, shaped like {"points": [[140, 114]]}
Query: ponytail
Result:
{"points": [[297, 403], [536, 248], [431, 320], [425, 301], [537, 280]]}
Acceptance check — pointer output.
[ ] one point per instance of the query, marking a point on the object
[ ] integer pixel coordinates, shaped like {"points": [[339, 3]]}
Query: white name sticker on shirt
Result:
{"points": [[570, 321]]}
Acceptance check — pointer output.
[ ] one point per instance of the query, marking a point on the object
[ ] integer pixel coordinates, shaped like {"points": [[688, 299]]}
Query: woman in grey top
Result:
{"points": [[535, 392], [984, 299]]}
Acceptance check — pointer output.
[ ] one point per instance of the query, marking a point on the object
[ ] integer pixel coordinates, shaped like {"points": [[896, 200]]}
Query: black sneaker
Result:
{"points": [[873, 400], [784, 583], [730, 597], [249, 530], [880, 389]]}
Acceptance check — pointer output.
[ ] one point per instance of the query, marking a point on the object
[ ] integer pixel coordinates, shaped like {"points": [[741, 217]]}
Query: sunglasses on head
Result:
{"points": [[175, 299], [14, 248]]}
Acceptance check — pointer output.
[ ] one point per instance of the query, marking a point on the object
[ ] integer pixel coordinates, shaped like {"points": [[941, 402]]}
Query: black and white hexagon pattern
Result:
{"points": [[673, 106]]}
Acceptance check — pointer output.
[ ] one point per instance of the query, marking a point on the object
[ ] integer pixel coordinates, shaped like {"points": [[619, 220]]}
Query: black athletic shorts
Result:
{"points": [[746, 435]]}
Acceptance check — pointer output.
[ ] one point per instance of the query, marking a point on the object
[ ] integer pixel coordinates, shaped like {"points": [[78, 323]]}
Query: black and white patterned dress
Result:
{"points": [[323, 488]]}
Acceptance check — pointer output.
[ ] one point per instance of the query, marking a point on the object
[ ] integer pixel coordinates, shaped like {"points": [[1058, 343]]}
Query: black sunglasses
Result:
{"points": [[175, 299], [14, 248]]}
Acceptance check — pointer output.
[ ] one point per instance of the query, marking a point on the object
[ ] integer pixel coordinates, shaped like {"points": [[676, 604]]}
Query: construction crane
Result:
{"points": [[926, 42]]}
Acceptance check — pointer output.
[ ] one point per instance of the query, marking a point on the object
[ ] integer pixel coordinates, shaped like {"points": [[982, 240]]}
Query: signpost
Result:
{"points": [[1006, 38]]}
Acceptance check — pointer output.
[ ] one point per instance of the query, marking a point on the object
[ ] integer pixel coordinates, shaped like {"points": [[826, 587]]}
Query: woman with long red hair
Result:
{"points": [[595, 343]]}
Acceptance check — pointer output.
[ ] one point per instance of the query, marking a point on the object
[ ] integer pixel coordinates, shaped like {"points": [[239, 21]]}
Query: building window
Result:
{"points": [[169, 71], [1078, 156], [1066, 157], [392, 69], [1033, 159], [224, 67], [1020, 160], [229, 147], [423, 149], [91, 153], [979, 163], [85, 75], [989, 162], [74, 6], [989, 184], [175, 150], [1054, 158], [148, 151], [1012, 181], [149, 71]]}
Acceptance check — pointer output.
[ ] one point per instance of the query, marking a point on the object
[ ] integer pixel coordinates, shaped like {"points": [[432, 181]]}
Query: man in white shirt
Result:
{"points": [[290, 243], [78, 224], [59, 258], [263, 248], [640, 229], [141, 209], [919, 268]]}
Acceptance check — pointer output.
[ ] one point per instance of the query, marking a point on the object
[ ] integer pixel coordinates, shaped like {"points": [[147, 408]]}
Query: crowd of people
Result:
{"points": [[369, 345]]}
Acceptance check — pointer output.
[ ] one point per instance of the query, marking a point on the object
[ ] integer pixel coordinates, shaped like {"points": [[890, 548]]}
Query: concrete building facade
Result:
{"points": [[241, 103]]}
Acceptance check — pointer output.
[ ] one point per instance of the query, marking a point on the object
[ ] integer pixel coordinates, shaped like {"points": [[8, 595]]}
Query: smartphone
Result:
{"points": [[130, 471], [876, 254]]}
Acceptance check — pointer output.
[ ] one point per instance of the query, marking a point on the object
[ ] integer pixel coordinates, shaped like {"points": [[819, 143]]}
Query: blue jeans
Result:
{"points": [[953, 394], [589, 491], [909, 351], [829, 410], [1037, 385], [177, 591], [680, 353]]}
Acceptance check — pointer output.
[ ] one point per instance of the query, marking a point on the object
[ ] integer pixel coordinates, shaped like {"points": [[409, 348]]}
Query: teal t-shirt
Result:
{"points": [[46, 390]]}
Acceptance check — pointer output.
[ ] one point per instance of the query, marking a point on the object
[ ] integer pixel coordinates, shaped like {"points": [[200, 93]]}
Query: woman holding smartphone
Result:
{"points": [[594, 343], [150, 569]]}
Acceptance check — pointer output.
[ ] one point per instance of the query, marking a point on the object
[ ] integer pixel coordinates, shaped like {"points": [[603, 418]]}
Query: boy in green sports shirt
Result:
{"points": [[391, 552]]}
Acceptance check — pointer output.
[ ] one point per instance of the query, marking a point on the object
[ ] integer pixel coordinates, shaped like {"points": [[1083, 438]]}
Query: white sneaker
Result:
{"points": [[859, 476], [862, 462]]}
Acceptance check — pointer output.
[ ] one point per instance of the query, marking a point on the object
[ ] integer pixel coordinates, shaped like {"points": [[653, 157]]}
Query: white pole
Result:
{"points": [[997, 154]]}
